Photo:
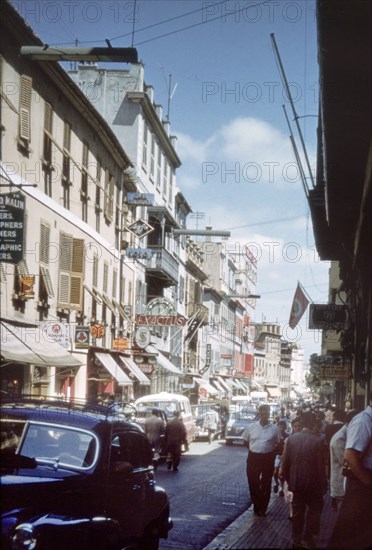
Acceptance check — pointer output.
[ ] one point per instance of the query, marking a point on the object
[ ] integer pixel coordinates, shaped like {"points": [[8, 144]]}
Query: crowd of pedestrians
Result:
{"points": [[299, 456], [307, 452]]}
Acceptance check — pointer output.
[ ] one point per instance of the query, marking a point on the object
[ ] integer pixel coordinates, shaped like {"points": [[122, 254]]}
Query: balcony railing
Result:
{"points": [[163, 261]]}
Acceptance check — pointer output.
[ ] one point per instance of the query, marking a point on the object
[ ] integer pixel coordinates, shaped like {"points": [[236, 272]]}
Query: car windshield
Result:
{"points": [[59, 444]]}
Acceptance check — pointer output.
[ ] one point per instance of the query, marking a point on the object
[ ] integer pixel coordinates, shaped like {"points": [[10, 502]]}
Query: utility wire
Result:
{"points": [[234, 12], [270, 222]]}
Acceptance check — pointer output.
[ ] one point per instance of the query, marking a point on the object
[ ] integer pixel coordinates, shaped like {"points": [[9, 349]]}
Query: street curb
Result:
{"points": [[232, 533]]}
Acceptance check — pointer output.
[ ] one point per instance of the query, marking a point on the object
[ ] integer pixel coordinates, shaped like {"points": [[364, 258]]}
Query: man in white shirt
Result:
{"points": [[262, 439], [353, 528]]}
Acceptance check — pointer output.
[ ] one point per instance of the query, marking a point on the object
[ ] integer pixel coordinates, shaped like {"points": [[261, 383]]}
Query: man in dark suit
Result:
{"points": [[303, 467]]}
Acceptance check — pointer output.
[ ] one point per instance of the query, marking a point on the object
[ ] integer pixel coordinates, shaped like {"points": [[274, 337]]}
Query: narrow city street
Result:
{"points": [[207, 493]]}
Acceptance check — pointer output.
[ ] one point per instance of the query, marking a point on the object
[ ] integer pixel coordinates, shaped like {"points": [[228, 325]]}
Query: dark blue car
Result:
{"points": [[75, 477]]}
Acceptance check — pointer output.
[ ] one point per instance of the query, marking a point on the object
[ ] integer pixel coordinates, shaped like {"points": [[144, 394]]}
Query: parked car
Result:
{"points": [[200, 413], [74, 477], [236, 424]]}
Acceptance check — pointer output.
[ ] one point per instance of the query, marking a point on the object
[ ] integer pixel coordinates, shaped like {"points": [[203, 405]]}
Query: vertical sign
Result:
{"points": [[12, 219]]}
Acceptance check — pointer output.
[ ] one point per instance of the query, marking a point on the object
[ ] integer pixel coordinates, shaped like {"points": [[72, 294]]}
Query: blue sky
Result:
{"points": [[226, 109]]}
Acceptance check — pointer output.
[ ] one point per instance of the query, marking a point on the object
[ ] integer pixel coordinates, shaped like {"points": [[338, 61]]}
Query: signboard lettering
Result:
{"points": [[140, 199], [161, 320], [328, 317], [12, 214], [139, 253]]}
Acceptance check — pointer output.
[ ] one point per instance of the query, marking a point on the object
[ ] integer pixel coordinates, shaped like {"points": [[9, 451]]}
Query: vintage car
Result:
{"points": [[239, 418], [73, 477]]}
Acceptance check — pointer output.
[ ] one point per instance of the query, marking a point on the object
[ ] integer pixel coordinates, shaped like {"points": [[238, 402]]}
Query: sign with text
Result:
{"points": [[142, 337], [54, 331], [140, 199], [333, 373], [27, 287], [161, 320], [82, 337], [328, 317], [120, 344], [139, 253], [12, 219]]}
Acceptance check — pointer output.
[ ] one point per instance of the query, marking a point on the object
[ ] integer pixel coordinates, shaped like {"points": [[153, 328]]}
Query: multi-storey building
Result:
{"points": [[158, 257], [231, 303], [268, 366], [67, 172]]}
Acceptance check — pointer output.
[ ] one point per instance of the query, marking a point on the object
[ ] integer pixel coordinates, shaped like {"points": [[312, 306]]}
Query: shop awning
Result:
{"points": [[206, 385], [246, 388], [135, 370], [224, 384], [231, 382], [164, 361], [256, 385], [114, 369], [273, 391], [29, 345], [218, 386], [239, 384]]}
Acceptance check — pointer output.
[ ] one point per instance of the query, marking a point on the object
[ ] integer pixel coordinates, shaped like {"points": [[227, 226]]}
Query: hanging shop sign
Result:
{"points": [[97, 331], [27, 287], [82, 337], [140, 199], [12, 219], [127, 310], [57, 332], [328, 360], [140, 228], [120, 344], [328, 317], [334, 373], [142, 337], [139, 253]]}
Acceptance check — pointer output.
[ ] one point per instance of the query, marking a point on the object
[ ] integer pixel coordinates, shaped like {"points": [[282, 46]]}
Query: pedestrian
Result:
{"points": [[337, 422], [288, 495], [282, 425], [262, 439], [353, 528], [303, 468], [336, 461], [211, 424], [176, 436], [154, 429]]}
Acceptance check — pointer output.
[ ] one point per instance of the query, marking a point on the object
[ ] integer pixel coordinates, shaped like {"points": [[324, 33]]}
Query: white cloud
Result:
{"points": [[255, 149], [191, 149]]}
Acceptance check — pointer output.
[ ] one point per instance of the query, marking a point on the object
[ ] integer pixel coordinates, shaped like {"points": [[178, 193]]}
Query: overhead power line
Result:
{"points": [[194, 25]]}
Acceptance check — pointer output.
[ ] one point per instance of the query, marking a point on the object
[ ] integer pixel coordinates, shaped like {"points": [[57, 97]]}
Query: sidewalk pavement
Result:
{"points": [[272, 531]]}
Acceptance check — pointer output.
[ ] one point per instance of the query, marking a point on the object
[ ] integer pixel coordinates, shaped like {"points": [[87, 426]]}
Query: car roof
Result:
{"points": [[86, 416]]}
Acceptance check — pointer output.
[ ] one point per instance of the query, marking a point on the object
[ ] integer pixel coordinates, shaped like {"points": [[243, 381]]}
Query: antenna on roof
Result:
{"points": [[134, 21], [170, 95]]}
